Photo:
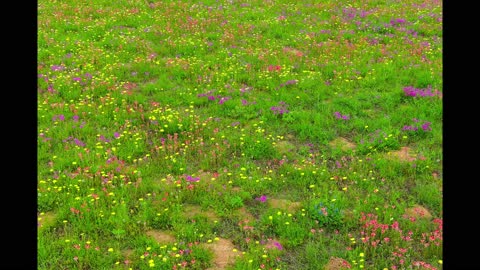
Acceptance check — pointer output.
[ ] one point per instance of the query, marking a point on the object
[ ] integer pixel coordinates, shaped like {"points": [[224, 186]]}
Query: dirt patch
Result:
{"points": [[128, 253], [284, 204], [404, 154], [224, 253], [46, 220], [192, 210], [336, 263], [284, 147], [343, 144], [244, 214], [207, 175], [161, 236], [417, 211]]}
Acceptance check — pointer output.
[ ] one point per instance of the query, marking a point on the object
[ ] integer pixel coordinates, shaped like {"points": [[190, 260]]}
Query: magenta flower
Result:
{"points": [[262, 198], [78, 142], [340, 116], [278, 245], [189, 178]]}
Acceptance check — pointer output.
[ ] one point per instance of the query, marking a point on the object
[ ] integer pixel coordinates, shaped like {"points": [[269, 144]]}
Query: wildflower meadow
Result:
{"points": [[239, 135]]}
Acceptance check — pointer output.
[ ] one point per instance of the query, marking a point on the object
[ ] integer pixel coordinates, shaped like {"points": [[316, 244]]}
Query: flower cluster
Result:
{"points": [[340, 116], [416, 92], [424, 125], [281, 109]]}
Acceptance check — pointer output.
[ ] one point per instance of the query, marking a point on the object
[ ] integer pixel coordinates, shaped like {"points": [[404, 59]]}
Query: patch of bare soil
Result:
{"points": [[343, 144], [128, 253], [284, 147], [404, 154], [206, 175], [417, 211], [284, 204], [192, 210], [161, 236], [336, 263], [223, 253], [46, 220], [244, 214]]}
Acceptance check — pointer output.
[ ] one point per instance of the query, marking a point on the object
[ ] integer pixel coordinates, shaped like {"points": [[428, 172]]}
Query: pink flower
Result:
{"points": [[262, 198]]}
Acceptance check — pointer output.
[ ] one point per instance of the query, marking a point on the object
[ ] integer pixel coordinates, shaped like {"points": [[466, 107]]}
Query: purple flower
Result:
{"points": [[426, 126], [340, 116], [280, 110], [223, 99], [414, 92], [189, 178], [57, 68], [60, 117], [412, 128], [278, 245], [116, 135], [78, 142], [397, 21], [262, 198], [103, 139]]}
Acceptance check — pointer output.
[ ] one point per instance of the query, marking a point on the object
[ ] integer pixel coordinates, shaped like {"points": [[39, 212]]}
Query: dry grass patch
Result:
{"points": [[284, 204], [46, 220]]}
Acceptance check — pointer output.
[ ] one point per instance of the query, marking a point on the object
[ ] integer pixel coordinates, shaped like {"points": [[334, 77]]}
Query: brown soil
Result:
{"points": [[336, 264], [192, 210], [244, 214], [284, 147], [161, 236], [404, 154], [127, 253], [223, 253], [343, 144], [418, 211], [284, 204]]}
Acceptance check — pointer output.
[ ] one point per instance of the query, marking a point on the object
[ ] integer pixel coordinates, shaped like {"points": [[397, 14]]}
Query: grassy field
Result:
{"points": [[240, 134]]}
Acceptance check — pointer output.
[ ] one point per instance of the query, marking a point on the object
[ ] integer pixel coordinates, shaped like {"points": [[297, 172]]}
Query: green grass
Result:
{"points": [[302, 134]]}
